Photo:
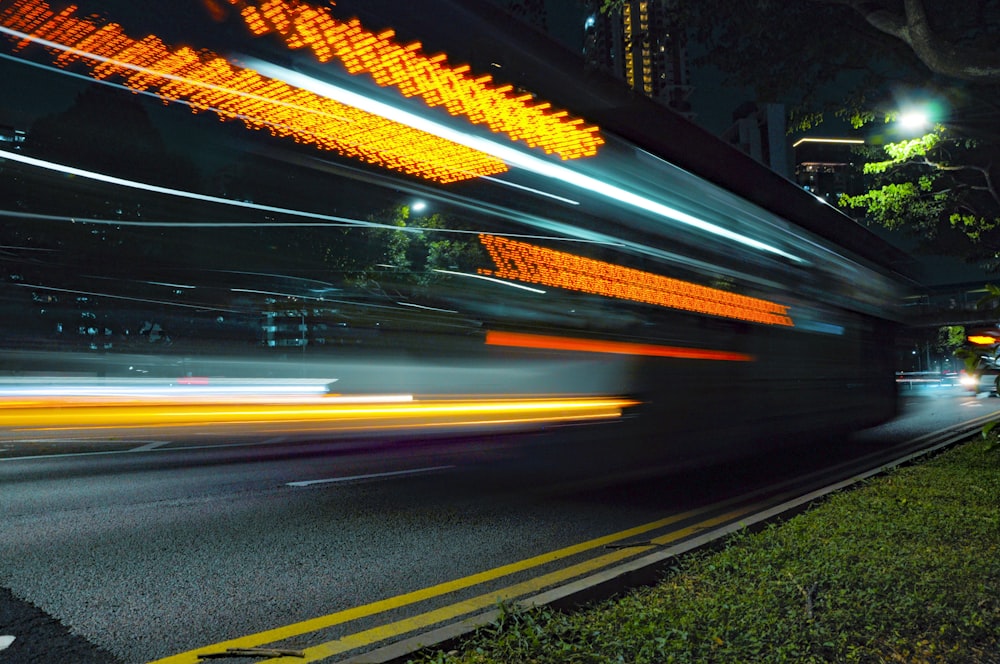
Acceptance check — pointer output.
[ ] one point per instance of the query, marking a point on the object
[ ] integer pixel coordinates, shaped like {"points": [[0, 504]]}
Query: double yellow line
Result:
{"points": [[473, 604]]}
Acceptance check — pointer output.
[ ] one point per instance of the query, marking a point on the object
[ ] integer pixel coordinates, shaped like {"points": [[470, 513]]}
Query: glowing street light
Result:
{"points": [[914, 120], [920, 115]]}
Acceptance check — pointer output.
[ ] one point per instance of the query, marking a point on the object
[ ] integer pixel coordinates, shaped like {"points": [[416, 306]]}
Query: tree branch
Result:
{"points": [[937, 53]]}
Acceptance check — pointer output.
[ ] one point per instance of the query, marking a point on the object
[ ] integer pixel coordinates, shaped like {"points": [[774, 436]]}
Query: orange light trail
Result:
{"points": [[982, 340], [544, 342], [520, 261], [54, 415], [414, 74], [208, 82]]}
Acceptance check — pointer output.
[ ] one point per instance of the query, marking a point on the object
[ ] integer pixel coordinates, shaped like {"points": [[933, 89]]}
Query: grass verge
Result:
{"points": [[905, 568]]}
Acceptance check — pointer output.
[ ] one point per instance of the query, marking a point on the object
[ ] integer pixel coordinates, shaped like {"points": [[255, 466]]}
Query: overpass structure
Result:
{"points": [[954, 304]]}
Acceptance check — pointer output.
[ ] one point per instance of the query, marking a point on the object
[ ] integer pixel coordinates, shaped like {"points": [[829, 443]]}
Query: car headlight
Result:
{"points": [[969, 381]]}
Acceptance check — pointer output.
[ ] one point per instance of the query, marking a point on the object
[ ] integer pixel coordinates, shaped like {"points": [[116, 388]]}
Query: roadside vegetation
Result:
{"points": [[905, 568]]}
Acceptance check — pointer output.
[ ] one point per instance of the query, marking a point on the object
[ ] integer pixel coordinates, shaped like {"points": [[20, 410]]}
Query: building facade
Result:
{"points": [[826, 167], [759, 130], [10, 138], [639, 46]]}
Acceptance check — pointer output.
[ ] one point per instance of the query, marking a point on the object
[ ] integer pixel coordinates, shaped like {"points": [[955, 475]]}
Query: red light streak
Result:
{"points": [[544, 342]]}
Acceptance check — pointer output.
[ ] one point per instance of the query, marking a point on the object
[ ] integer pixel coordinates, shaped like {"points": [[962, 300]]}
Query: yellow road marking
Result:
{"points": [[465, 607], [445, 613]]}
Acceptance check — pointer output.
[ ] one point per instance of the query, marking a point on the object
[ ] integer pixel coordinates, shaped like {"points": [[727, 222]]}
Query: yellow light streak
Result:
{"points": [[982, 340], [58, 414]]}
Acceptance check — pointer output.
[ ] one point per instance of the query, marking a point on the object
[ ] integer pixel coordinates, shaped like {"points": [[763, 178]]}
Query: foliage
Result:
{"points": [[403, 248], [934, 184], [950, 338], [904, 568], [992, 298], [991, 436]]}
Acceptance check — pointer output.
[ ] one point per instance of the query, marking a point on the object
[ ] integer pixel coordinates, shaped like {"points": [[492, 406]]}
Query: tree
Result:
{"points": [[403, 251], [941, 187], [89, 135], [860, 60]]}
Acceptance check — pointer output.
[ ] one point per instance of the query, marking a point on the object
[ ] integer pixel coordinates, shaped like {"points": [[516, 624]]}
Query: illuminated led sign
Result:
{"points": [[406, 68], [520, 261], [982, 340], [207, 82]]}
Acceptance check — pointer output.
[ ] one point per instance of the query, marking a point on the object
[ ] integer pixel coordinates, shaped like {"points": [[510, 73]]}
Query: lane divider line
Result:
{"points": [[148, 447], [350, 478]]}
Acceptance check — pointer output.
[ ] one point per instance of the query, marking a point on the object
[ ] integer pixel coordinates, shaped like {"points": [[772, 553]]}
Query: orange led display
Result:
{"points": [[208, 82], [520, 261], [546, 342], [415, 74]]}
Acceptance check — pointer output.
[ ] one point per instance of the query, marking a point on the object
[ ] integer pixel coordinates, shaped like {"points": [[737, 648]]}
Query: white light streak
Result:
{"points": [[496, 281], [508, 154], [529, 189], [202, 307], [169, 285], [147, 388], [420, 306], [132, 184]]}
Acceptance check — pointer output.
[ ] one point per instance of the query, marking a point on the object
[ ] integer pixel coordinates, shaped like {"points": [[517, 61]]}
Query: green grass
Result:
{"points": [[905, 568]]}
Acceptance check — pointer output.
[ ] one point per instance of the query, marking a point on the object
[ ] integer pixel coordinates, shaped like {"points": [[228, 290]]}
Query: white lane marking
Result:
{"points": [[152, 445], [5, 642], [395, 473], [63, 455]]}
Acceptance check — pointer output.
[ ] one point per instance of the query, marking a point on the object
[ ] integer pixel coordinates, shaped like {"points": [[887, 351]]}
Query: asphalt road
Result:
{"points": [[146, 551]]}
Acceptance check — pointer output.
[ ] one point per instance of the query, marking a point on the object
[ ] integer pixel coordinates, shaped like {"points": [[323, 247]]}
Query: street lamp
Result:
{"points": [[919, 116], [418, 206], [914, 120]]}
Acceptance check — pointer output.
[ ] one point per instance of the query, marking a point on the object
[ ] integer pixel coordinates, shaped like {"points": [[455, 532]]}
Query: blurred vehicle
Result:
{"points": [[449, 223], [985, 377]]}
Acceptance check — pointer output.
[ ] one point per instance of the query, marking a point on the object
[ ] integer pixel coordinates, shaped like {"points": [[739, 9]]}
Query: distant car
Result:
{"points": [[984, 378]]}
